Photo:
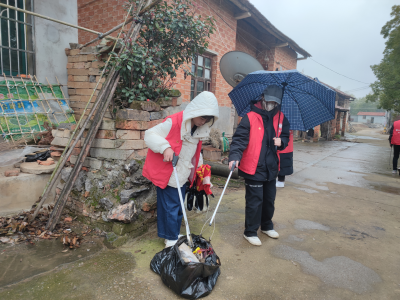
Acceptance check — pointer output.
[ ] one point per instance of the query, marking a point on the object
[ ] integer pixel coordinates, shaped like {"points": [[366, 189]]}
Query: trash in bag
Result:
{"points": [[38, 155], [180, 271]]}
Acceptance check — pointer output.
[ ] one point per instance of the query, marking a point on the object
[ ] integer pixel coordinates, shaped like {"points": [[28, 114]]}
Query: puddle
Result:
{"points": [[307, 225], [386, 189], [339, 271], [310, 191], [23, 261]]}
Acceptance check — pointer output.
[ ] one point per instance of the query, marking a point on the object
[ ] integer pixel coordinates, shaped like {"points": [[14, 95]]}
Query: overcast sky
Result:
{"points": [[343, 35]]}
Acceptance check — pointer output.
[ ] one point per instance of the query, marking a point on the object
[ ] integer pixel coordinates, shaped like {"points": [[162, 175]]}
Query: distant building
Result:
{"points": [[370, 117]]}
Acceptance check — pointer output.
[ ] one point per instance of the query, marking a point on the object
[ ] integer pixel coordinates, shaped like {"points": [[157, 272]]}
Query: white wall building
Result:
{"points": [[370, 117]]}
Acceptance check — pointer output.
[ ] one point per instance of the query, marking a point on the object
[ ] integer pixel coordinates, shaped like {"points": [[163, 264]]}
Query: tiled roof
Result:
{"points": [[362, 113]]}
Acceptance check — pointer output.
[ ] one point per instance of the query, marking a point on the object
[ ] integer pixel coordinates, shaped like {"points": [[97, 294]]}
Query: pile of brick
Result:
{"points": [[83, 70]]}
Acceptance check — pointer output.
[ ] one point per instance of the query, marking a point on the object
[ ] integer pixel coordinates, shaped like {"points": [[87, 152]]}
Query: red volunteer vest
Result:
{"points": [[396, 133], [250, 156], [158, 171]]}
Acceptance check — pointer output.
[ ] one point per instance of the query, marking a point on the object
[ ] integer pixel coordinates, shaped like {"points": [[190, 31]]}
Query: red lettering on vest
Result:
{"points": [[396, 133], [251, 154], [158, 171]]}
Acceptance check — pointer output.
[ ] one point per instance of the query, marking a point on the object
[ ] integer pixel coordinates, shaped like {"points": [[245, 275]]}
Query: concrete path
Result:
{"points": [[338, 219]]}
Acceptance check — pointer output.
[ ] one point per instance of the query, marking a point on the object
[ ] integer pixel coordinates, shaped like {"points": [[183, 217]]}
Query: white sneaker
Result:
{"points": [[394, 172], [280, 184], [179, 235], [170, 243], [254, 240], [271, 233]]}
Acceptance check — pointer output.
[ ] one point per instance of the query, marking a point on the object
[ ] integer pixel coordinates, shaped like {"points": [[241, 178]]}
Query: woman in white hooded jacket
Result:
{"points": [[181, 133]]}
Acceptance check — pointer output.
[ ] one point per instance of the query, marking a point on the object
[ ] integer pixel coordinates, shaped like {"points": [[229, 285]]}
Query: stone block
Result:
{"points": [[59, 133], [153, 123], [12, 172], [123, 213], [165, 103], [68, 126], [106, 203], [88, 50], [133, 114], [35, 168], [106, 134], [130, 124], [60, 141], [105, 124], [132, 144], [156, 115], [103, 143], [127, 195], [122, 229], [110, 153], [128, 134], [213, 154], [67, 133], [139, 154], [89, 162]]}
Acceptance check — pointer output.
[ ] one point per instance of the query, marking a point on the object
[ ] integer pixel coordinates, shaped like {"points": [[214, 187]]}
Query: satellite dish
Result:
{"points": [[235, 66]]}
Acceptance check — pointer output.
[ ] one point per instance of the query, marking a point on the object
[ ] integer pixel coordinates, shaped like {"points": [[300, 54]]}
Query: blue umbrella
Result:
{"points": [[306, 103]]}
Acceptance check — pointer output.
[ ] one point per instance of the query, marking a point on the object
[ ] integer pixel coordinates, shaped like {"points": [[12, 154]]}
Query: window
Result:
{"points": [[16, 55], [201, 67], [364, 117]]}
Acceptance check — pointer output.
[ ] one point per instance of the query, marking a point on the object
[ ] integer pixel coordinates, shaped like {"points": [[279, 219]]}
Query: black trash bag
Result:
{"points": [[42, 155], [189, 280], [190, 195]]}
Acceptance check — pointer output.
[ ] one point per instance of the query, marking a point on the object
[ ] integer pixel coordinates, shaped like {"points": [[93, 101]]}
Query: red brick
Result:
{"points": [[70, 78], [79, 65], [83, 58], [79, 72], [74, 52], [142, 133], [82, 85], [67, 51], [97, 64], [106, 134], [70, 65], [154, 123], [72, 59], [129, 124], [11, 172], [91, 57], [86, 92], [71, 91], [94, 71], [80, 78], [76, 151]]}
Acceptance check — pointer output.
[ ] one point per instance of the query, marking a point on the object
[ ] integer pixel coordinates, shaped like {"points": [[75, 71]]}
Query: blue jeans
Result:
{"points": [[169, 212]]}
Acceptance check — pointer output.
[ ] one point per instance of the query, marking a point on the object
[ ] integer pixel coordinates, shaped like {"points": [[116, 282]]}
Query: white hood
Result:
{"points": [[204, 104]]}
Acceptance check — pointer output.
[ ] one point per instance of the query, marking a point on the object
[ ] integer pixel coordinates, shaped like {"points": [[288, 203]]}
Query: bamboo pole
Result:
{"points": [[44, 96], [113, 79], [30, 100], [65, 98], [67, 152], [58, 101], [15, 111], [23, 107], [41, 101]]}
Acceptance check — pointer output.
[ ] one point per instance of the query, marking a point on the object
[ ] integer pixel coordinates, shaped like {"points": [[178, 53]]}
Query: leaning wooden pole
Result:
{"points": [[105, 99]]}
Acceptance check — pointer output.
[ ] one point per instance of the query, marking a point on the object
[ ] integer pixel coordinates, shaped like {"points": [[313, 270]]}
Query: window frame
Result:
{"points": [[25, 54], [206, 81]]}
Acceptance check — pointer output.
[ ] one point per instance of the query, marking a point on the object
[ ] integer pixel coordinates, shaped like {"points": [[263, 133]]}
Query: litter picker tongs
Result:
{"points": [[220, 198], [189, 237]]}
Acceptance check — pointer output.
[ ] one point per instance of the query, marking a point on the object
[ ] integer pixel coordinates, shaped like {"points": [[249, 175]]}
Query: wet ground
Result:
{"points": [[338, 219]]}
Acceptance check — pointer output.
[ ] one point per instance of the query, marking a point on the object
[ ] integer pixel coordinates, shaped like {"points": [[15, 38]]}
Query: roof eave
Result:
{"points": [[267, 25]]}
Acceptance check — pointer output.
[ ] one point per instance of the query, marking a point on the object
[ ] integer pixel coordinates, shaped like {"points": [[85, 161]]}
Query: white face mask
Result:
{"points": [[268, 106]]}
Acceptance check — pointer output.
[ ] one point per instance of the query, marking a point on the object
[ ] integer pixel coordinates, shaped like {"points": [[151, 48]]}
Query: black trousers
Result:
{"points": [[396, 152], [281, 178], [260, 206]]}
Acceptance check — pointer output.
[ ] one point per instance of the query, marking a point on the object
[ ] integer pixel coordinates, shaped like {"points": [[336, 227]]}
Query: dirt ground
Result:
{"points": [[338, 219]]}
